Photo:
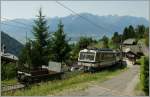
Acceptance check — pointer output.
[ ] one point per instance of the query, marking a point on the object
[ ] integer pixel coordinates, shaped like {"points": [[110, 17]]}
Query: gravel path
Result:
{"points": [[121, 85]]}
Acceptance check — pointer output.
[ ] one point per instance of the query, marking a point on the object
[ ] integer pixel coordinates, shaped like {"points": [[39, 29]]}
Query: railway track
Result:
{"points": [[11, 87]]}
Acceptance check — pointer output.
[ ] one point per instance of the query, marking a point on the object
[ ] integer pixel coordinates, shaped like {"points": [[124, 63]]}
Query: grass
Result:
{"points": [[140, 86], [138, 90], [9, 81], [140, 60], [77, 81]]}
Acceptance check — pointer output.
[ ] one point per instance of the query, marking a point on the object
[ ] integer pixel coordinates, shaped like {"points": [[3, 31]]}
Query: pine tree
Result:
{"points": [[140, 30], [131, 33], [59, 48], [146, 36], [125, 33], [41, 42], [116, 39], [25, 58], [105, 40]]}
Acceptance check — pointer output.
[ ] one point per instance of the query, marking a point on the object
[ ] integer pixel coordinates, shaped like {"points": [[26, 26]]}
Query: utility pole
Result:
{"points": [[121, 48], [26, 37]]}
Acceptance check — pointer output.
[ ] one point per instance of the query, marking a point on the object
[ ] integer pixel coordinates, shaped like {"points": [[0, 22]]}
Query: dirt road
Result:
{"points": [[121, 85]]}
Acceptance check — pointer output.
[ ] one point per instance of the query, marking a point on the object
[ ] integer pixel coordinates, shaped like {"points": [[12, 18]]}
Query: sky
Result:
{"points": [[29, 9]]}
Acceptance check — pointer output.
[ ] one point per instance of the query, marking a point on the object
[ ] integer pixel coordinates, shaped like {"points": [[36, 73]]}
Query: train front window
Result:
{"points": [[89, 56]]}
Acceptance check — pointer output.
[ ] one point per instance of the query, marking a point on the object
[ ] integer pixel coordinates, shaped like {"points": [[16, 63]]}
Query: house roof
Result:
{"points": [[130, 41]]}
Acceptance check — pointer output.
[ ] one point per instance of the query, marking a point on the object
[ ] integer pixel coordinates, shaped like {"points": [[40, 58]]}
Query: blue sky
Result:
{"points": [[28, 9]]}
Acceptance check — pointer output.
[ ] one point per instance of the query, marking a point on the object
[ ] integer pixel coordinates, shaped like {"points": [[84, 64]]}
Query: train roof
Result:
{"points": [[97, 49], [100, 49]]}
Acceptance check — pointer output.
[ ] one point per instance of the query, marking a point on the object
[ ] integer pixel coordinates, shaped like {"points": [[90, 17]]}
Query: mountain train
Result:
{"points": [[93, 59]]}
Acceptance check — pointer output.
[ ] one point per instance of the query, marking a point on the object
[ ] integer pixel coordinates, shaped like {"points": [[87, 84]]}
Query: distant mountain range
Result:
{"points": [[12, 45], [75, 26]]}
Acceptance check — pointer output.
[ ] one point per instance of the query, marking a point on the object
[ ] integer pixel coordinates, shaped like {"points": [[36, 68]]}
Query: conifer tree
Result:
{"points": [[60, 48], [105, 40], [131, 33], [116, 39], [125, 33], [25, 58], [41, 42], [140, 31], [36, 52]]}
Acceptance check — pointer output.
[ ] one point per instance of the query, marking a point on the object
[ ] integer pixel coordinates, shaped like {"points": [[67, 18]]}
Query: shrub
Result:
{"points": [[144, 75], [8, 71]]}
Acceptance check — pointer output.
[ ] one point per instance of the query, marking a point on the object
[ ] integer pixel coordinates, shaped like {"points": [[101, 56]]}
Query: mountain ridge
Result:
{"points": [[11, 44], [75, 26]]}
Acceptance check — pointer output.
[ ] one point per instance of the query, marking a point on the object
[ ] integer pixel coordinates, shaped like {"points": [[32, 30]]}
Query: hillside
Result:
{"points": [[75, 26], [12, 45]]}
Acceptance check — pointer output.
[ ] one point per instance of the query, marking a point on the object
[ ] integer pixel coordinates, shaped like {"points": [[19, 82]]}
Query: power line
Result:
{"points": [[91, 22]]}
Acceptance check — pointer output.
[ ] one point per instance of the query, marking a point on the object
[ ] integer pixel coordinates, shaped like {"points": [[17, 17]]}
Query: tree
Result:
{"points": [[25, 60], [140, 30], [84, 42], [105, 40], [8, 71], [116, 39], [41, 42], [36, 52], [144, 75], [131, 33], [125, 33], [60, 48], [146, 36]]}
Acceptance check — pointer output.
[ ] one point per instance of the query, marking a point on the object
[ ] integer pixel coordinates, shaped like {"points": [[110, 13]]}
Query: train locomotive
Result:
{"points": [[94, 59]]}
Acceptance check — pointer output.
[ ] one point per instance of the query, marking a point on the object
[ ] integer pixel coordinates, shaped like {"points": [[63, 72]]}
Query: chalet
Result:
{"points": [[131, 49]]}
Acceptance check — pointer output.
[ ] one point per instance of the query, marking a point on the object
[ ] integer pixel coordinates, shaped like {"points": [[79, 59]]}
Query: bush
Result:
{"points": [[144, 75], [8, 71]]}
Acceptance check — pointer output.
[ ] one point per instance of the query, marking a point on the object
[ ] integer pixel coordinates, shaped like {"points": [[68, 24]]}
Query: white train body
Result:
{"points": [[98, 58]]}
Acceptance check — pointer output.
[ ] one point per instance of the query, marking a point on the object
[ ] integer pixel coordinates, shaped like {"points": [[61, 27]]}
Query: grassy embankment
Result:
{"points": [[75, 81], [139, 87]]}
